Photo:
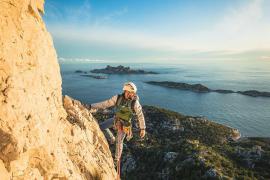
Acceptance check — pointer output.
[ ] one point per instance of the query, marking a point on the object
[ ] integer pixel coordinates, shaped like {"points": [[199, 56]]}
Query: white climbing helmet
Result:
{"points": [[130, 87]]}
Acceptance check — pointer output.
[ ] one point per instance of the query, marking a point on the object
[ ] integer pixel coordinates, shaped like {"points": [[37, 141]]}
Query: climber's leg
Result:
{"points": [[119, 144], [104, 126]]}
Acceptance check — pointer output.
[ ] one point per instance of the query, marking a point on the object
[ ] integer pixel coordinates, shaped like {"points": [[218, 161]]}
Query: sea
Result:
{"points": [[251, 115]]}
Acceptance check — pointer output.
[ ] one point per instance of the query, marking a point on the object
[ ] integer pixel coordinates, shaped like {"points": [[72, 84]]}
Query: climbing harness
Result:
{"points": [[124, 113]]}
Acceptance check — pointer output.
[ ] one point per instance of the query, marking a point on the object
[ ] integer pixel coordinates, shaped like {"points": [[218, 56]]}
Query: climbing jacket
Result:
{"points": [[124, 113], [116, 100]]}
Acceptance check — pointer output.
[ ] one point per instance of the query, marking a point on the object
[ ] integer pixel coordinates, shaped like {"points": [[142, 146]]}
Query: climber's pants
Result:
{"points": [[104, 126]]}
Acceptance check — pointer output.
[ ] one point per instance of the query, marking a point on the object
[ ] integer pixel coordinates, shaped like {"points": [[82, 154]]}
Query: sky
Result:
{"points": [[159, 30]]}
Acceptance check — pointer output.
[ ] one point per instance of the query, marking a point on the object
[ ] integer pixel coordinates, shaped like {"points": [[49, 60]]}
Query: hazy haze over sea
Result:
{"points": [[250, 115]]}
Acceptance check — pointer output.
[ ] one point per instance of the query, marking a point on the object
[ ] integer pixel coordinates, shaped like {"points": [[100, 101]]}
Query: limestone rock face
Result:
{"points": [[38, 140]]}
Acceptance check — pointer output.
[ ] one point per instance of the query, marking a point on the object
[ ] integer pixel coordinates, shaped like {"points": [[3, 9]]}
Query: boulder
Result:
{"points": [[170, 156]]}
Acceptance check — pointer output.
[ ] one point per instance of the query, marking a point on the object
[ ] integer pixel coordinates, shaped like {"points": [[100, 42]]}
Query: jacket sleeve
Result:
{"points": [[105, 104], [139, 114]]}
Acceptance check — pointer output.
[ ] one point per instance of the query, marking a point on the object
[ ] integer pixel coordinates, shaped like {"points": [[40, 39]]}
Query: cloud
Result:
{"points": [[110, 16], [58, 14], [81, 14], [79, 60], [240, 29], [265, 57], [121, 37], [51, 11], [238, 19]]}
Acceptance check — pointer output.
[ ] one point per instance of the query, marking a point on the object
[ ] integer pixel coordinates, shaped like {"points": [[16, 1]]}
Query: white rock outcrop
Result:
{"points": [[38, 138]]}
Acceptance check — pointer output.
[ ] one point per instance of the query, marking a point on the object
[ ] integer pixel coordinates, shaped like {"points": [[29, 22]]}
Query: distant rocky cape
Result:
{"points": [[84, 74], [203, 89], [93, 76], [121, 70]]}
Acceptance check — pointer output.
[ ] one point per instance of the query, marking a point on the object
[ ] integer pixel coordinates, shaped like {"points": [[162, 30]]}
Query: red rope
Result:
{"points": [[119, 128]]}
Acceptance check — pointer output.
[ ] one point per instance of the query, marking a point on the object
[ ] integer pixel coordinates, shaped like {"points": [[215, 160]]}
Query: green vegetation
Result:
{"points": [[186, 147]]}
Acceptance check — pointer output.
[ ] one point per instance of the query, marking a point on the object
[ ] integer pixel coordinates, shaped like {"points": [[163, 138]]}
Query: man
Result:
{"points": [[126, 105]]}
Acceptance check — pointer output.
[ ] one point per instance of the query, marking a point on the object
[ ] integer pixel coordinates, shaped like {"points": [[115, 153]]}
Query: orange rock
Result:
{"points": [[35, 130]]}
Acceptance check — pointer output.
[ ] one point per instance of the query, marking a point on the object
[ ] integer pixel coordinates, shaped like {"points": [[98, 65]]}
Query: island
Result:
{"points": [[80, 71], [181, 86], [121, 70], [254, 93], [93, 76], [199, 88]]}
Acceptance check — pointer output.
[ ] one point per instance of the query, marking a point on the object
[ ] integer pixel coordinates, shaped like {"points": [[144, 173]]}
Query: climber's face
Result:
{"points": [[129, 95]]}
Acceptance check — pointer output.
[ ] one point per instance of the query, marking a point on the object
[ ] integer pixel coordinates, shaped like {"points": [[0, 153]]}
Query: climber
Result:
{"points": [[126, 105]]}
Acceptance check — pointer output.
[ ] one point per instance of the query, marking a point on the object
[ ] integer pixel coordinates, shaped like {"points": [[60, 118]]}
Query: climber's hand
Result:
{"points": [[76, 102], [88, 106], [142, 133], [92, 110]]}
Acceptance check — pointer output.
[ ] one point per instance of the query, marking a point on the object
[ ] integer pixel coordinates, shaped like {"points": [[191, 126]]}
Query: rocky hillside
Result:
{"points": [[186, 147], [38, 138]]}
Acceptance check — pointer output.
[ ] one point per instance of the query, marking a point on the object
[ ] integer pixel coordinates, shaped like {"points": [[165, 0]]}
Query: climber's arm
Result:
{"points": [[105, 104], [139, 114]]}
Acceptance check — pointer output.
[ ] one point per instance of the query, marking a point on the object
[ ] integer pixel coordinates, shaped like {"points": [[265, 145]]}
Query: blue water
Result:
{"points": [[250, 115]]}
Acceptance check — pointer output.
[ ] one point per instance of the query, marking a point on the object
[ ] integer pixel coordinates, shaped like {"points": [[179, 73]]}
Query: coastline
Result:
{"points": [[248, 114], [199, 88]]}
